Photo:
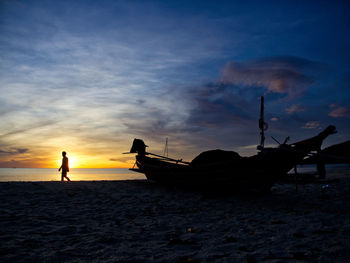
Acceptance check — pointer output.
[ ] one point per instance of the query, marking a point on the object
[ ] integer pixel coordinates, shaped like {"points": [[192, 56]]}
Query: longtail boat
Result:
{"points": [[227, 169]]}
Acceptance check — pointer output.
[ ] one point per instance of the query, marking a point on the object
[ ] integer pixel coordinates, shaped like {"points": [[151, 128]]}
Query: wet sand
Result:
{"points": [[134, 221]]}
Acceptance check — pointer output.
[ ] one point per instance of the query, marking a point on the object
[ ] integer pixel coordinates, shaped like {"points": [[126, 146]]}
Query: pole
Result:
{"points": [[261, 122], [166, 147]]}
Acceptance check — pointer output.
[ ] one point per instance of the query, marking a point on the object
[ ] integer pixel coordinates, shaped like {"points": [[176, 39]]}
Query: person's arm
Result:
{"points": [[67, 165]]}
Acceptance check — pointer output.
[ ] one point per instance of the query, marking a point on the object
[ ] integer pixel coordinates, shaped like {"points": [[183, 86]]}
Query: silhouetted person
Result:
{"points": [[64, 167]]}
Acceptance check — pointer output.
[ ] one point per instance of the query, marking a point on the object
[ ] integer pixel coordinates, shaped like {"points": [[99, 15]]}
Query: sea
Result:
{"points": [[75, 174], [84, 174]]}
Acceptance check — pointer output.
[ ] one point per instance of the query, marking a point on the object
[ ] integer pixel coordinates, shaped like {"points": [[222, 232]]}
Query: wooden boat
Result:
{"points": [[218, 169]]}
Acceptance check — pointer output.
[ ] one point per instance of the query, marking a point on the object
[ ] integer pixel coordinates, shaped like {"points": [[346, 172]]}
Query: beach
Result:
{"points": [[135, 221]]}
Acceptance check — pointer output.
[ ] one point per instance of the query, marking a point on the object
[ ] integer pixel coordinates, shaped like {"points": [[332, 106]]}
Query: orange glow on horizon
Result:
{"points": [[83, 161], [49, 155]]}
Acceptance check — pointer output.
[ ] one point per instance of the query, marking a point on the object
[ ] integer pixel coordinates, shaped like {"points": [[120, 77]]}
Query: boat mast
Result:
{"points": [[166, 147], [262, 124]]}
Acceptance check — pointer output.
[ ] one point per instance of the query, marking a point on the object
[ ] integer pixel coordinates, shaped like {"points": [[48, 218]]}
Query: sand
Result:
{"points": [[134, 221]]}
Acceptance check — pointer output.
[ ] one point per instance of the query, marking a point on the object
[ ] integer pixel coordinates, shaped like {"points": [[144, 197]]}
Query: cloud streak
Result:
{"points": [[282, 75], [311, 125], [294, 108], [338, 111], [14, 151]]}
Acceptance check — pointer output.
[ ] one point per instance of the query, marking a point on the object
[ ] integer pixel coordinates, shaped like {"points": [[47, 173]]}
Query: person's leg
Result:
{"points": [[64, 174], [67, 178]]}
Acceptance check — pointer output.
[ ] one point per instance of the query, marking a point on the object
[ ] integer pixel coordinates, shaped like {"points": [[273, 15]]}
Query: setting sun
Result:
{"points": [[72, 162]]}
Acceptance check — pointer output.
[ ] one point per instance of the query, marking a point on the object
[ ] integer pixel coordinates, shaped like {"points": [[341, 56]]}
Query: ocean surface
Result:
{"points": [[75, 174], [81, 174]]}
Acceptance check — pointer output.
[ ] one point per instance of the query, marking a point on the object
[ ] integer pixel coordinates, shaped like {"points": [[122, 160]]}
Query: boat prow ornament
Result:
{"points": [[138, 146]]}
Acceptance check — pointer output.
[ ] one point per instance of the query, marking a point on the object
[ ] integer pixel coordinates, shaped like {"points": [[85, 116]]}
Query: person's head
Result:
{"points": [[64, 154]]}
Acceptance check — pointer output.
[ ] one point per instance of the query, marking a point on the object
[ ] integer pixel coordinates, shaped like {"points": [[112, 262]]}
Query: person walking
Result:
{"points": [[64, 167]]}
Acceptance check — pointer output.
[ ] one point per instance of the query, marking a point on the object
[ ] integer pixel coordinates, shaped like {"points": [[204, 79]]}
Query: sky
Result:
{"points": [[87, 77]]}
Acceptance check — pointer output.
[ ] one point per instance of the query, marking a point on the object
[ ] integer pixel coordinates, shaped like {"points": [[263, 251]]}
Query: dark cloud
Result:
{"points": [[19, 150], [219, 104], [284, 75], [14, 151]]}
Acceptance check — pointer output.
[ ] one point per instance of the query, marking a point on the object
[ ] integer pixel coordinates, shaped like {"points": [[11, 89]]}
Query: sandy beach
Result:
{"points": [[134, 221]]}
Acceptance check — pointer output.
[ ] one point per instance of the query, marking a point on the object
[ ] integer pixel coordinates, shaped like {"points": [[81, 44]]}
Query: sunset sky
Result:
{"points": [[88, 77]]}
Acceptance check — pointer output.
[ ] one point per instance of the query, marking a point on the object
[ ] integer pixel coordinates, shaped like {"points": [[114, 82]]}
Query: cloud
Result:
{"points": [[94, 82], [217, 104], [122, 159], [26, 127], [14, 151], [294, 108], [283, 75], [339, 111], [311, 125]]}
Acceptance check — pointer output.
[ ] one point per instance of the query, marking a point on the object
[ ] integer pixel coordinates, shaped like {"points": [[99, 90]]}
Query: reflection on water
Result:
{"points": [[75, 174]]}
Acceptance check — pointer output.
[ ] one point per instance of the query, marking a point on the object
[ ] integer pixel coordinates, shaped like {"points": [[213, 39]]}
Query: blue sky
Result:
{"points": [[89, 76]]}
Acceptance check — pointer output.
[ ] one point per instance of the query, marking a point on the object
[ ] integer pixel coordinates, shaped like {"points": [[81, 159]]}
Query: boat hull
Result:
{"points": [[257, 172]]}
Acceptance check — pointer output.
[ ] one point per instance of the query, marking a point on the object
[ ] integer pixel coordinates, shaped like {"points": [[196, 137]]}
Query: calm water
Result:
{"points": [[77, 174], [330, 168]]}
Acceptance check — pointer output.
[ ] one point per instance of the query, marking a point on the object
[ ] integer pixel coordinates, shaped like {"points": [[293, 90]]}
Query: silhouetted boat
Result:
{"points": [[227, 169]]}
